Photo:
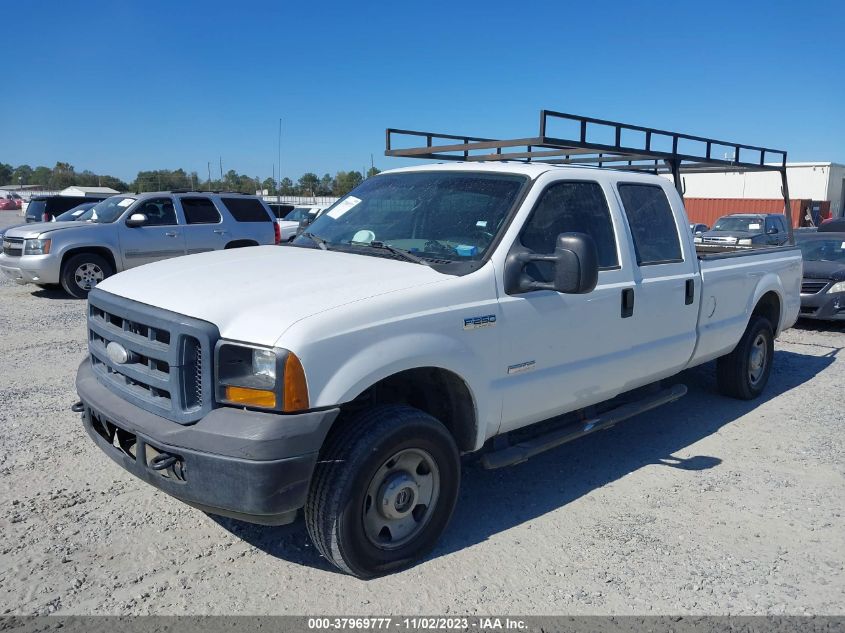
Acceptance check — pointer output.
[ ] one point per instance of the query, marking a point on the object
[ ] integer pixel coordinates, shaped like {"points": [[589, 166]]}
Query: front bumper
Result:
{"points": [[31, 269], [243, 464], [823, 306]]}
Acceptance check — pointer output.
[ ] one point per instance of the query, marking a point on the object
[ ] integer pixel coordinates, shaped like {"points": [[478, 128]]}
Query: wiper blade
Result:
{"points": [[319, 241], [400, 252]]}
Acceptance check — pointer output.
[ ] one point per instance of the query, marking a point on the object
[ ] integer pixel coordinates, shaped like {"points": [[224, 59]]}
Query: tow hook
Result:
{"points": [[77, 407], [167, 465]]}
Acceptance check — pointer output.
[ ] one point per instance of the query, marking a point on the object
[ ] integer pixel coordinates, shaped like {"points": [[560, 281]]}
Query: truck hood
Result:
{"points": [[824, 270], [34, 229], [255, 294]]}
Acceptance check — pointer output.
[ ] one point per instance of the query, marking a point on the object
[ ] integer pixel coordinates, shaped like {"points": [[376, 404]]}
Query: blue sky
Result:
{"points": [[117, 87]]}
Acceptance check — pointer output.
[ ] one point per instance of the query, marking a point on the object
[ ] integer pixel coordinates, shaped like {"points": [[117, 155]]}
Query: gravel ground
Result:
{"points": [[704, 506]]}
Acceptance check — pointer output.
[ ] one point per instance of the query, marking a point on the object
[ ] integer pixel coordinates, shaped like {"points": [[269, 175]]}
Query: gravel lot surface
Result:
{"points": [[707, 505]]}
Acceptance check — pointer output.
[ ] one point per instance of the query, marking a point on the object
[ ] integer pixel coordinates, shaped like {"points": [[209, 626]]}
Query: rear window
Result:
{"points": [[200, 211], [247, 210], [60, 204], [652, 224], [35, 209]]}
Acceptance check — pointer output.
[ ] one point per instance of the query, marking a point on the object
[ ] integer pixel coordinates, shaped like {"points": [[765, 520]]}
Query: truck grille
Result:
{"points": [[719, 240], [13, 246], [813, 286], [168, 367]]}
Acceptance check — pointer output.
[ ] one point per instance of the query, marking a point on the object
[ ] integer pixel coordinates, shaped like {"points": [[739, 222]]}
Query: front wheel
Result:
{"points": [[383, 490], [745, 371], [82, 272]]}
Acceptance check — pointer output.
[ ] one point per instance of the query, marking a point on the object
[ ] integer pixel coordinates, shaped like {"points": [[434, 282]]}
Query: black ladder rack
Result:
{"points": [[633, 147]]}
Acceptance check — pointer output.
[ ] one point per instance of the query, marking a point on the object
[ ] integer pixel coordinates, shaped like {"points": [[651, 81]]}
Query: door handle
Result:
{"points": [[220, 231], [627, 302], [690, 292], [172, 234]]}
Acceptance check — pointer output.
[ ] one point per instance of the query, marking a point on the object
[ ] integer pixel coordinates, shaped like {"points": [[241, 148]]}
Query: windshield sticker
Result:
{"points": [[339, 209], [753, 227], [482, 224], [125, 202]]}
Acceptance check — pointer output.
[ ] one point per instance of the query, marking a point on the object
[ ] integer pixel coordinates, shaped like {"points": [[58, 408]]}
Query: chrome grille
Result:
{"points": [[719, 240], [813, 286], [168, 369], [13, 246]]}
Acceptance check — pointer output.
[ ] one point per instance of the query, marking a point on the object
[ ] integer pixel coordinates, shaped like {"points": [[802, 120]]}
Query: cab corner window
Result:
{"points": [[652, 223], [568, 207]]}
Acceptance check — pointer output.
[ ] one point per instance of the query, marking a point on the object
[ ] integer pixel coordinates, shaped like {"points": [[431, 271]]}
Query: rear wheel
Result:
{"points": [[81, 273], [745, 371], [383, 490]]}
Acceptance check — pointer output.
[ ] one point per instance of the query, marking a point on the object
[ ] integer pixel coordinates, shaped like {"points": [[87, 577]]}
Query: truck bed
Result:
{"points": [[733, 282]]}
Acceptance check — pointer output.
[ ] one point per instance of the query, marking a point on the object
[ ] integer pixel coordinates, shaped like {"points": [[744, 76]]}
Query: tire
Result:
{"points": [[354, 479], [744, 372], [80, 273]]}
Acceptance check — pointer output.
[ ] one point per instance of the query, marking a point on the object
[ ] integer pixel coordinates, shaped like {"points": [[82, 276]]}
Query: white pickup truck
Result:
{"points": [[437, 308]]}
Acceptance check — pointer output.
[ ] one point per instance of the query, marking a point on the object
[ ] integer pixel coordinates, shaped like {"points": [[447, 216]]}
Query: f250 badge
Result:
{"points": [[473, 323]]}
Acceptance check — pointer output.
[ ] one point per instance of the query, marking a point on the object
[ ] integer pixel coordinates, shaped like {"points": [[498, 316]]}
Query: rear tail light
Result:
{"points": [[278, 232]]}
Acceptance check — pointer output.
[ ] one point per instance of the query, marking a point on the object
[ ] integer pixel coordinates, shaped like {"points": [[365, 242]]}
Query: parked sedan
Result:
{"points": [[823, 285]]}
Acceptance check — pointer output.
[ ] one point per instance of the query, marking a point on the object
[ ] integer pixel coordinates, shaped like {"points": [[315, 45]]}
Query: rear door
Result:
{"points": [[667, 288], [159, 238], [204, 230]]}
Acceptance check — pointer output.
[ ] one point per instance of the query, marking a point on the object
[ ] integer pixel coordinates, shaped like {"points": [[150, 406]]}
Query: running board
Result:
{"points": [[521, 452]]}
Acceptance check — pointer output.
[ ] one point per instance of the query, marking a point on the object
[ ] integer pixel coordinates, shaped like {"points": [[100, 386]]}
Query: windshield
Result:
{"points": [[110, 209], [832, 250], [298, 213], [733, 223], [77, 213], [436, 215]]}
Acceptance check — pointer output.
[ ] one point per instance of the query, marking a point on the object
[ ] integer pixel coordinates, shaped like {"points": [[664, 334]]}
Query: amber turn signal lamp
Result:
{"points": [[296, 388], [251, 397]]}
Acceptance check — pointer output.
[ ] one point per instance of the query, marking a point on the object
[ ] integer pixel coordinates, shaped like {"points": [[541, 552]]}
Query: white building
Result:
{"points": [[819, 182], [87, 191]]}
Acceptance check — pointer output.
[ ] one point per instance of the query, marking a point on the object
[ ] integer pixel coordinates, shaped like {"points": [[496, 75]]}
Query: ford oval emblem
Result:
{"points": [[117, 353]]}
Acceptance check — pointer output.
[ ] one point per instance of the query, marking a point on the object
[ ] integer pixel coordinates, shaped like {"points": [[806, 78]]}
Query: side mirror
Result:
{"points": [[699, 232], [575, 262], [772, 230], [136, 219]]}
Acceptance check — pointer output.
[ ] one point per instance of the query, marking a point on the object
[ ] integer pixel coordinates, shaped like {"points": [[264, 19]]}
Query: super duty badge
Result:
{"points": [[473, 323]]}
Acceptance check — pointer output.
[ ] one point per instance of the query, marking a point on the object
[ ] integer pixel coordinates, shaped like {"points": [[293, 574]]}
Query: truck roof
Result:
{"points": [[532, 170]]}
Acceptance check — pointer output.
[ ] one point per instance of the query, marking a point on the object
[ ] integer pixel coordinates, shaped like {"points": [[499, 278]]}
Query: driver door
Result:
{"points": [[563, 352], [161, 236]]}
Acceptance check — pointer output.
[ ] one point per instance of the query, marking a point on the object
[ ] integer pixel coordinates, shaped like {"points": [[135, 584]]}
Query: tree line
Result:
{"points": [[65, 175]]}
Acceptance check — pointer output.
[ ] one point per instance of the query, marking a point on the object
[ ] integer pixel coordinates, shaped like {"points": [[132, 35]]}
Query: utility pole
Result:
{"points": [[221, 169], [209, 174], [279, 187]]}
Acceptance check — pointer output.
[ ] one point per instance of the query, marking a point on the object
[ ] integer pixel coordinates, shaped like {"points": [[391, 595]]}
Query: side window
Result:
{"points": [[159, 212], [652, 224], [247, 209], [200, 211], [571, 207], [771, 224]]}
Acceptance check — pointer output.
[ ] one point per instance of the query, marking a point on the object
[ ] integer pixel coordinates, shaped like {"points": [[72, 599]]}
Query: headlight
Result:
{"points": [[745, 241], [839, 286], [260, 377], [697, 240], [36, 247]]}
